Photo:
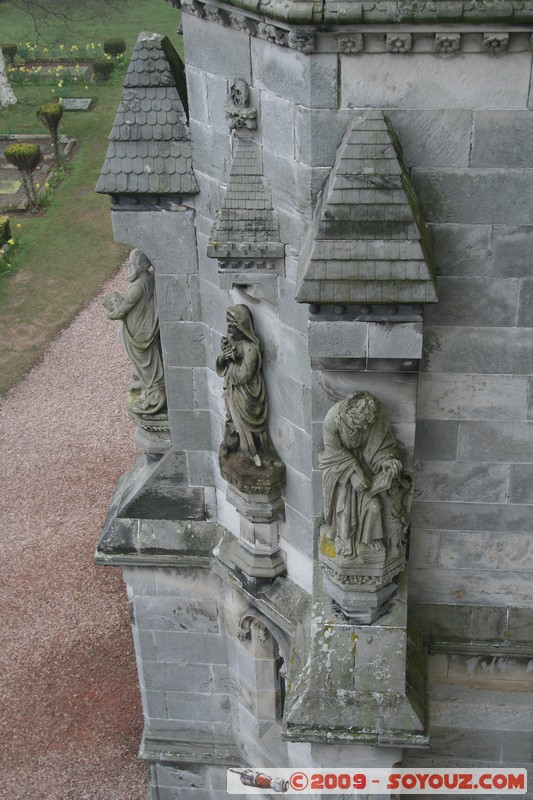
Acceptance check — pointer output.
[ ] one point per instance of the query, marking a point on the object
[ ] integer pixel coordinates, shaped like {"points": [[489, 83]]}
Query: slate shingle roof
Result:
{"points": [[150, 145], [368, 242], [246, 224]]}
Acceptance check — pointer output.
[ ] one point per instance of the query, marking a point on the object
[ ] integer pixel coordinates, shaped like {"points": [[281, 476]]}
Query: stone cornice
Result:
{"points": [[368, 12], [375, 35]]}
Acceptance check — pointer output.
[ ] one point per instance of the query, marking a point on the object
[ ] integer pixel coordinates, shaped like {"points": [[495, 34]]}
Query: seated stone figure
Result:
{"points": [[140, 334], [366, 493]]}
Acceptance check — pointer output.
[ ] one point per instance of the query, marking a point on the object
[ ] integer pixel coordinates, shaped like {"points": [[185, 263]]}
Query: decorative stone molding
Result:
{"points": [[351, 43], [399, 43], [348, 42], [495, 43], [447, 42]]}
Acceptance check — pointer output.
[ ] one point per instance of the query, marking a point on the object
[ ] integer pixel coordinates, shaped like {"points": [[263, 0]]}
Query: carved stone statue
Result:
{"points": [[247, 457], [238, 110], [366, 493], [140, 334]]}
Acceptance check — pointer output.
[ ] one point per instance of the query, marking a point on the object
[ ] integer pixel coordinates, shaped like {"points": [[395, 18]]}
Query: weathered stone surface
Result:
{"points": [[511, 250], [521, 483], [525, 304], [463, 482], [197, 93], [402, 340], [338, 339], [191, 430], [432, 138], [309, 81], [475, 196], [180, 386], [190, 648], [510, 442], [173, 298], [474, 397], [184, 343], [386, 81], [397, 391], [277, 125], [466, 350], [318, 133], [485, 587], [464, 250], [471, 517], [211, 150], [298, 492], [201, 707], [464, 549], [178, 677], [297, 531], [475, 302], [215, 49], [502, 139], [175, 614], [167, 238], [436, 440]]}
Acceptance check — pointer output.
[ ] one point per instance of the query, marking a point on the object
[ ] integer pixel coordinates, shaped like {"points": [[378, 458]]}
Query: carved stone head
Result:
{"points": [[357, 413], [138, 262]]}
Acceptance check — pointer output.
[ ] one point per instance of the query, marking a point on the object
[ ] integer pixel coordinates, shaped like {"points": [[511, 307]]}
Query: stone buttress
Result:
{"points": [[325, 541]]}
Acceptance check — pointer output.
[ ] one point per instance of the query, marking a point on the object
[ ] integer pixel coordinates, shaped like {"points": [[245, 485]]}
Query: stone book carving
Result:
{"points": [[140, 336], [367, 499], [247, 456]]}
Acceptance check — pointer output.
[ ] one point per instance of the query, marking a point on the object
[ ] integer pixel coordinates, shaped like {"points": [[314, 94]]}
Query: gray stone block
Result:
{"points": [[397, 391], [463, 482], [297, 531], [183, 343], [285, 396], [521, 624], [139, 580], [474, 196], [291, 184], [436, 440], [190, 648], [176, 777], [474, 302], [173, 298], [213, 48], [207, 201], [504, 351], [510, 442], [490, 623], [179, 386], [214, 306], [201, 707], [177, 677], [197, 94], [294, 314], [298, 492], [338, 339], [521, 484], [470, 517], [318, 134], [211, 150], [502, 139], [420, 78], [402, 340], [201, 468], [525, 304], [423, 548], [154, 704], [283, 347], [144, 644], [472, 397], [462, 250], [190, 430], [293, 444], [512, 249], [473, 550], [217, 98], [305, 80], [432, 138], [483, 587], [277, 124], [166, 237], [176, 614]]}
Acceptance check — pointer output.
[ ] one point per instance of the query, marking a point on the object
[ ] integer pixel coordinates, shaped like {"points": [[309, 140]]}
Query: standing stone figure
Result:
{"points": [[367, 495], [140, 333], [244, 389]]}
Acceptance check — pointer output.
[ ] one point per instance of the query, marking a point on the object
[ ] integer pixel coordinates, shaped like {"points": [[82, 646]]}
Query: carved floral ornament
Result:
{"points": [[351, 42]]}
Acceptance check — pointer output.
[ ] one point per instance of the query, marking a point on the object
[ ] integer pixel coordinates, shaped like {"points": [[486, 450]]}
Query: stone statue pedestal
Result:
{"points": [[243, 474], [152, 433], [363, 587], [256, 552]]}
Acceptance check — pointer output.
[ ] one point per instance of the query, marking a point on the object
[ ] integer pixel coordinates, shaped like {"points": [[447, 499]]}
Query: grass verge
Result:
{"points": [[68, 253]]}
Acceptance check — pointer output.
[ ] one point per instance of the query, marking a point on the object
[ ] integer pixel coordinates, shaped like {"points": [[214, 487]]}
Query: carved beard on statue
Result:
{"points": [[352, 424]]}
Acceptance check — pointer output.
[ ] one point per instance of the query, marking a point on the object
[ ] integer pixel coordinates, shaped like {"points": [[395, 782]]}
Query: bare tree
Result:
{"points": [[61, 11]]}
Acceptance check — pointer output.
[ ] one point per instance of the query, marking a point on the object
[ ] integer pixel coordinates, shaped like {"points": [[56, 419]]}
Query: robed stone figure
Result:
{"points": [[367, 495], [140, 334]]}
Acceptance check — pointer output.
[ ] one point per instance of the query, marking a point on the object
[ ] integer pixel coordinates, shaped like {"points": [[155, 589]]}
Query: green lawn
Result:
{"points": [[68, 253]]}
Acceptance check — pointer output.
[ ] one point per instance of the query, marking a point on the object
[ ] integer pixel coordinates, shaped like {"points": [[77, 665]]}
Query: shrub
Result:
{"points": [[25, 157], [5, 230], [103, 69], [50, 115], [9, 49], [114, 47]]}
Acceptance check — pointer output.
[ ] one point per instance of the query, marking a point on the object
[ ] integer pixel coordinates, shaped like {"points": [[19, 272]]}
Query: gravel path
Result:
{"points": [[71, 719]]}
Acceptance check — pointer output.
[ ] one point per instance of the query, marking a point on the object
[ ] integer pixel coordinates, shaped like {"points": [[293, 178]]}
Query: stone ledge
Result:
{"points": [[165, 748]]}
